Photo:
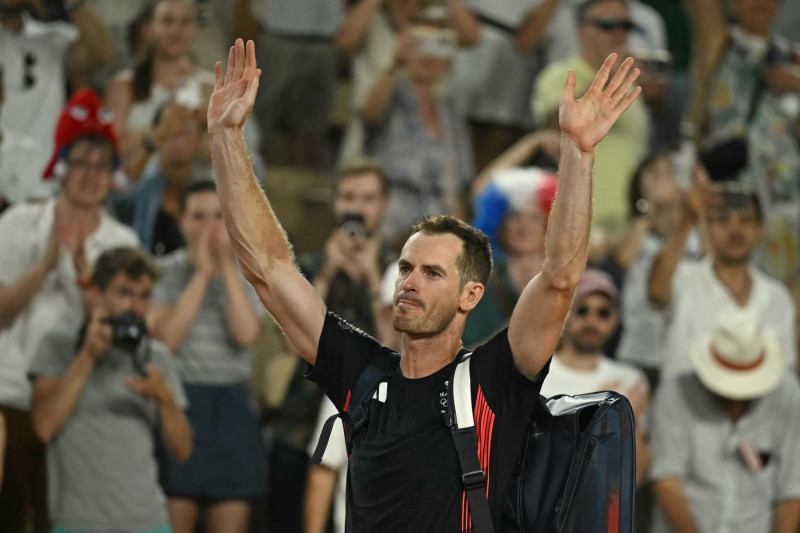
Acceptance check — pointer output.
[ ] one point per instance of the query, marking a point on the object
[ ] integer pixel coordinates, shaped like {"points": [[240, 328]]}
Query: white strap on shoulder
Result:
{"points": [[462, 394]]}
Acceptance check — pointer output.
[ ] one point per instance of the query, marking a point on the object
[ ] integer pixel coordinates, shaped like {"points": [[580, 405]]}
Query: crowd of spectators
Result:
{"points": [[143, 389]]}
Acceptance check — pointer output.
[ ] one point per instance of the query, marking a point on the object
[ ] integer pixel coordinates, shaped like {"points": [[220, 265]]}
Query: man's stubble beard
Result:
{"points": [[423, 325]]}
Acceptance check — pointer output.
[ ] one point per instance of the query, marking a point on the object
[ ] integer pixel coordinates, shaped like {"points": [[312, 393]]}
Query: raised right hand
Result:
{"points": [[235, 94], [98, 338]]}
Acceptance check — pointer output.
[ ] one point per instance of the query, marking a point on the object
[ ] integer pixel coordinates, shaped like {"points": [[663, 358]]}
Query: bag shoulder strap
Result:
{"points": [[462, 428], [354, 415]]}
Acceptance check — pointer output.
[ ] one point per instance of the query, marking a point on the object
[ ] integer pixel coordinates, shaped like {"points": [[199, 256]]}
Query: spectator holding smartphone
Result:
{"points": [[696, 292]]}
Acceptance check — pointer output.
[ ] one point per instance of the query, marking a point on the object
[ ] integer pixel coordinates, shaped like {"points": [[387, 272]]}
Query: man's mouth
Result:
{"points": [[405, 299]]}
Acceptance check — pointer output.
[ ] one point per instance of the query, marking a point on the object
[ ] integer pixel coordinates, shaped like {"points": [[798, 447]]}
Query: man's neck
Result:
{"points": [[734, 409], [578, 361], [423, 356], [736, 278]]}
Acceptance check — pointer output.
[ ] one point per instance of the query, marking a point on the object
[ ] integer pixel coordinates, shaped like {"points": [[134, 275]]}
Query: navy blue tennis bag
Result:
{"points": [[576, 472]]}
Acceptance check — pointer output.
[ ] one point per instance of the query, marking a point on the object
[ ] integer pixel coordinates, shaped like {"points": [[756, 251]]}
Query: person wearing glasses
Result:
{"points": [[579, 366], [49, 250], [603, 28]]}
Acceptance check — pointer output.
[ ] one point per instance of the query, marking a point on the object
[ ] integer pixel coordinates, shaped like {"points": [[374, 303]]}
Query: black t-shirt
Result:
{"points": [[167, 235], [404, 473]]}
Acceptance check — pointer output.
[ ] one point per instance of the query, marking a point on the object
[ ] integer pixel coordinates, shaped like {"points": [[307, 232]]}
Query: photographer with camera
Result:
{"points": [[48, 252], [695, 292], [99, 395]]}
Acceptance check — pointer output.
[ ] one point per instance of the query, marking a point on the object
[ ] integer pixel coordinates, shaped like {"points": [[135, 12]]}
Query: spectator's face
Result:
{"points": [[431, 52], [734, 233], [658, 184], [88, 176], [181, 147], [201, 213], [590, 324], [173, 27], [523, 231], [125, 293], [603, 31], [361, 193], [427, 70], [427, 294]]}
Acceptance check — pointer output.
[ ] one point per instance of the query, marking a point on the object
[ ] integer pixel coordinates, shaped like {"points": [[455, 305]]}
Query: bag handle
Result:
{"points": [[462, 429]]}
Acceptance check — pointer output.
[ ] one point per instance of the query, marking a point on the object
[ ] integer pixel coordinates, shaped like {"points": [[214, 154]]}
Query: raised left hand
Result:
{"points": [[587, 120], [152, 386]]}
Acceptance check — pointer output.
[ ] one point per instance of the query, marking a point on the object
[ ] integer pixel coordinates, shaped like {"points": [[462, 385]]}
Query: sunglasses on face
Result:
{"points": [[611, 24], [603, 313]]}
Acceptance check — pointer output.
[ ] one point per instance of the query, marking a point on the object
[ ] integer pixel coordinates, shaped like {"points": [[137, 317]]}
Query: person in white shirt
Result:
{"points": [[579, 366], [48, 251], [694, 293], [726, 437]]}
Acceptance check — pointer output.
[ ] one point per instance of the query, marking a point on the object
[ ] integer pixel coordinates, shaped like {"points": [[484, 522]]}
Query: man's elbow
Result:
{"points": [[43, 428], [246, 339]]}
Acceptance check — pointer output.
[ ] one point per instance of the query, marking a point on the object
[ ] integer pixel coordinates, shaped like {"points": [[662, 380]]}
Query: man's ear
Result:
{"points": [[471, 294]]}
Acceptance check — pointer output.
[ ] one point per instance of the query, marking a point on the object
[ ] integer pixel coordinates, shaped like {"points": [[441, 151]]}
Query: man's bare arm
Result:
{"points": [[257, 237], [538, 318]]}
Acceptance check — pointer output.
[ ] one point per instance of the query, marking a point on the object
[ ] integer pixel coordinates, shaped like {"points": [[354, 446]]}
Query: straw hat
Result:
{"points": [[738, 360]]}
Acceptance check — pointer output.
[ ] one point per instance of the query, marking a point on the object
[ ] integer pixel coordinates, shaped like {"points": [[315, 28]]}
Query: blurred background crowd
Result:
{"points": [[125, 322]]}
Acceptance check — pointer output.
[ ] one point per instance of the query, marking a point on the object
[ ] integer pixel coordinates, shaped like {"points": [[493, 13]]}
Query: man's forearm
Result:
{"points": [[175, 428], [660, 281], [669, 494], [351, 32], [53, 406], [256, 235], [533, 28], [15, 298], [464, 23], [243, 320], [787, 516], [567, 242], [320, 489], [173, 328], [94, 39]]}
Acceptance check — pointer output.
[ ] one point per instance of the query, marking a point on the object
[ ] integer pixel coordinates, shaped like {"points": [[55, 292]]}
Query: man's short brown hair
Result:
{"points": [[128, 259], [357, 167], [474, 263]]}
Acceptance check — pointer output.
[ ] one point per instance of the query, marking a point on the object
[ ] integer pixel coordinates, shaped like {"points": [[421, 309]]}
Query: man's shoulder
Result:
{"points": [[776, 289], [23, 215]]}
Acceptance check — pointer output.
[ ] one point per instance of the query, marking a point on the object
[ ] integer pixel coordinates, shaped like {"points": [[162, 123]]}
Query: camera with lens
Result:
{"points": [[128, 329]]}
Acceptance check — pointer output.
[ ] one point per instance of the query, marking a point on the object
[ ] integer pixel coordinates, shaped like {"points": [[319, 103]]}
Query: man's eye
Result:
{"points": [[434, 274]]}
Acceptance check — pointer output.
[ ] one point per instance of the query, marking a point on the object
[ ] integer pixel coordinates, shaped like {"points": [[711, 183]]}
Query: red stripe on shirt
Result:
{"points": [[484, 426]]}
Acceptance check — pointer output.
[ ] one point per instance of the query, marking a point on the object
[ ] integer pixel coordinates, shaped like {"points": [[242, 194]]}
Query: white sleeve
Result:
{"points": [[335, 456], [668, 439]]}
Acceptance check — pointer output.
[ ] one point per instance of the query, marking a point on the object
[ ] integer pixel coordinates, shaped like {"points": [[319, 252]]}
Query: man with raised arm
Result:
{"points": [[404, 472]]}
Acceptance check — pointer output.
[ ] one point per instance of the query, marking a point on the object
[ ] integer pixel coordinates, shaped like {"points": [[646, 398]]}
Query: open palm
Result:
{"points": [[590, 118], [235, 93]]}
